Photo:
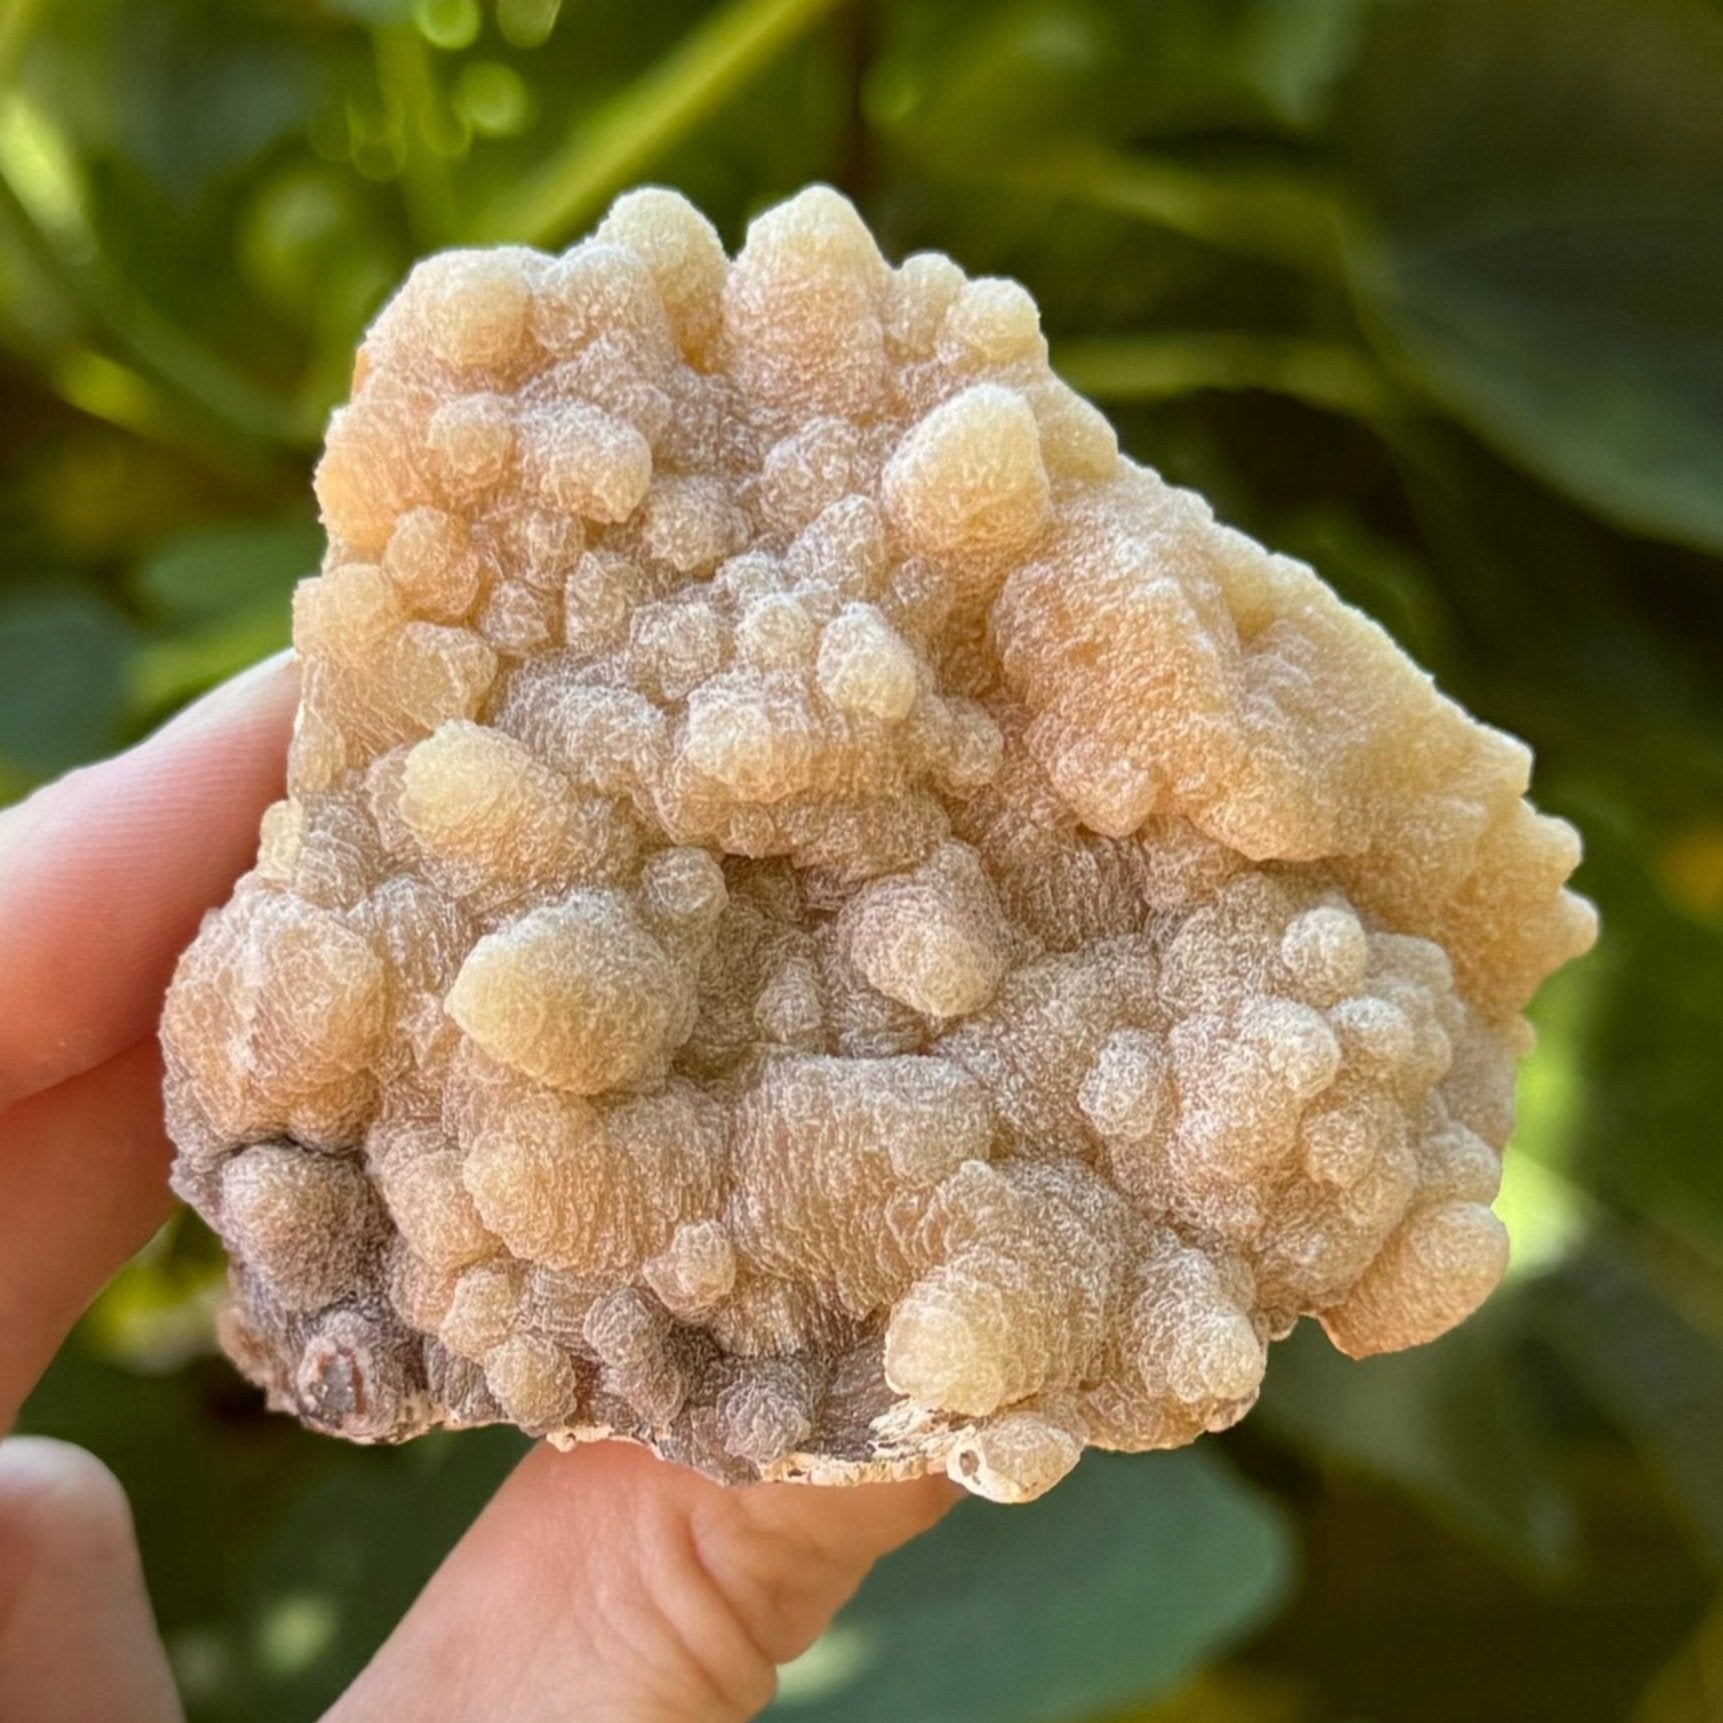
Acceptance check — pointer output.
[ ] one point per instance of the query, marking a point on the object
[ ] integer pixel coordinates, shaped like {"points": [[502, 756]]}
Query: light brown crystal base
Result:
{"points": [[825, 920]]}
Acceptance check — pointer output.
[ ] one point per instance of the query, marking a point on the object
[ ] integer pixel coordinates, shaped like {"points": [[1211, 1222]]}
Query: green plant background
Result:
{"points": [[1428, 291]]}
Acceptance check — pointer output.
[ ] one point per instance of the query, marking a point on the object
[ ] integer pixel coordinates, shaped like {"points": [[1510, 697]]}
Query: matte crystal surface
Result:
{"points": [[825, 921]]}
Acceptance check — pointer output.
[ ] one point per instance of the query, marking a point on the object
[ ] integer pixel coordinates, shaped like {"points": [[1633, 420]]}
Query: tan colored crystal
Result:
{"points": [[825, 921]]}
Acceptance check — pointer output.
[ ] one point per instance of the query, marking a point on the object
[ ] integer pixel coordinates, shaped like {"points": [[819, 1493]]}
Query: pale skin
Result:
{"points": [[601, 1585]]}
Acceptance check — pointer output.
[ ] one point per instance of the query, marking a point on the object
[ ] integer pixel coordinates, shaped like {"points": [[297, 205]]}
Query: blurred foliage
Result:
{"points": [[1423, 290], [1057, 1609]]}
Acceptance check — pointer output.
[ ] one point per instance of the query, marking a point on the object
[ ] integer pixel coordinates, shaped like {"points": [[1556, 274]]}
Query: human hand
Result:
{"points": [[602, 1584]]}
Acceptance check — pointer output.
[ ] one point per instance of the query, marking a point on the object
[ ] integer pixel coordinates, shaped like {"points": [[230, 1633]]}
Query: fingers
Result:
{"points": [[105, 874], [103, 877], [606, 1585], [85, 1180], [77, 1641]]}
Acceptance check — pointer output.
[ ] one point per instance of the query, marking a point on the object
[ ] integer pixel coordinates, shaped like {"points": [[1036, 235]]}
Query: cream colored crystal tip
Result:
{"points": [[825, 921]]}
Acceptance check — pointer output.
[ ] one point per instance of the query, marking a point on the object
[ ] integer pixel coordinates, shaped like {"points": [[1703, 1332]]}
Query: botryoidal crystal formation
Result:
{"points": [[825, 921]]}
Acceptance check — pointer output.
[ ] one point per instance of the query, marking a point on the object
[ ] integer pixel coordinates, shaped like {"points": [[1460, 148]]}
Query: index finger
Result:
{"points": [[105, 873], [103, 877]]}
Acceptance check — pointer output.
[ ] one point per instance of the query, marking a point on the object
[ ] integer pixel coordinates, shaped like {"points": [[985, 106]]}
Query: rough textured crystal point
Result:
{"points": [[825, 921]]}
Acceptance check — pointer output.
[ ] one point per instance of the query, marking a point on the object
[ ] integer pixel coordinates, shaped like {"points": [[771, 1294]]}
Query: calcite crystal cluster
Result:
{"points": [[825, 921]]}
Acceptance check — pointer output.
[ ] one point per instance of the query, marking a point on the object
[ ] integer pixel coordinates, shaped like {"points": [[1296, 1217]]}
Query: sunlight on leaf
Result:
{"points": [[448, 24], [40, 168], [834, 1660], [527, 23], [1547, 1216], [493, 98], [298, 1629]]}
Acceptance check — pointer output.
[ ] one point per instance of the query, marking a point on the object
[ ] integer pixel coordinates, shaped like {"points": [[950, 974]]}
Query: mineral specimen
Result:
{"points": [[825, 921]]}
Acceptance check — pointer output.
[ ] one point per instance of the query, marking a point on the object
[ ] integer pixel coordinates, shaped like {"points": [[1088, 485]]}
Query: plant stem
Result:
{"points": [[405, 75], [1271, 214], [616, 142], [1160, 367]]}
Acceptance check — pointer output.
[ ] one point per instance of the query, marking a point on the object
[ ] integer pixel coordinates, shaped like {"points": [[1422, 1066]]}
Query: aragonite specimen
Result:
{"points": [[825, 921]]}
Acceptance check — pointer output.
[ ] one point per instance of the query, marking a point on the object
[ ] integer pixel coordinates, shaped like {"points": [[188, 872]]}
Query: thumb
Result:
{"points": [[77, 1641], [606, 1585]]}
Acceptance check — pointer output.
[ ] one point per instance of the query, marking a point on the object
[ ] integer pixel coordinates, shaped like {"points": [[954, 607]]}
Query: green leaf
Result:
{"points": [[63, 655], [1646, 1135], [277, 1559], [223, 599], [1293, 53], [1155, 367], [1398, 1622], [255, 83], [208, 1474], [352, 1554], [159, 1311], [968, 85], [1201, 66], [962, 85], [1685, 1688], [1380, 575], [216, 571], [1446, 1423], [167, 673], [1659, 1379], [1543, 184], [1113, 1587]]}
